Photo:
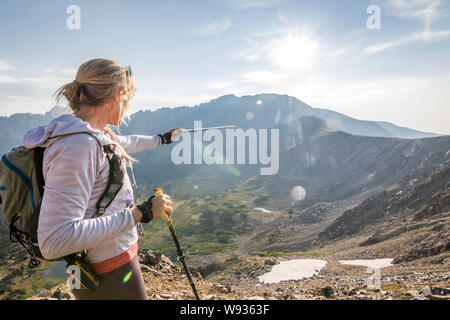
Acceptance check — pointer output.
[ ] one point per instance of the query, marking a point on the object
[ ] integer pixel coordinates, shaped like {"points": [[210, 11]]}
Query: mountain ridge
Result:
{"points": [[262, 101]]}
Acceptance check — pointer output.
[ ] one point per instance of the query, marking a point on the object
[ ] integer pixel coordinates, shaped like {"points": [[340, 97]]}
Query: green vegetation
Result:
{"points": [[40, 284], [204, 225], [398, 288]]}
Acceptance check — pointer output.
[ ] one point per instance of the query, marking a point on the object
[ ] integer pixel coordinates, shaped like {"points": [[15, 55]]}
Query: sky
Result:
{"points": [[183, 53]]}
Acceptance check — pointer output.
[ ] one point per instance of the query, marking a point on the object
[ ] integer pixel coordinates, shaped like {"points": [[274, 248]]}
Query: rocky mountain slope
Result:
{"points": [[413, 213], [333, 165]]}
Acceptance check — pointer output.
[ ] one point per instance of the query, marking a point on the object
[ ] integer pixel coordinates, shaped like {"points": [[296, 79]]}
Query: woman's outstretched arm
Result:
{"points": [[134, 143], [138, 143]]}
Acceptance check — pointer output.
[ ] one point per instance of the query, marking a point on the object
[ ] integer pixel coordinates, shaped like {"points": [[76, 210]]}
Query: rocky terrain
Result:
{"points": [[410, 219], [167, 281]]}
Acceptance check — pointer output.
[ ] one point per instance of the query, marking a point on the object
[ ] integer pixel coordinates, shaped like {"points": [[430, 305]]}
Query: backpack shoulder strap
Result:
{"points": [[115, 181], [38, 163]]}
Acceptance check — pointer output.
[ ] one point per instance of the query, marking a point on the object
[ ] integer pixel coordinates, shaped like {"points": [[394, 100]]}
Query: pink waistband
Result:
{"points": [[115, 262]]}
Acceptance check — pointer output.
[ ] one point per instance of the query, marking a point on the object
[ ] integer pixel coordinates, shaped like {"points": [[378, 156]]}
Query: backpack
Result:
{"points": [[22, 189]]}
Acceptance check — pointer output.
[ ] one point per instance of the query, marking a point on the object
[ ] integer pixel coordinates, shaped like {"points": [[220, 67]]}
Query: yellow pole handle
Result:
{"points": [[159, 192]]}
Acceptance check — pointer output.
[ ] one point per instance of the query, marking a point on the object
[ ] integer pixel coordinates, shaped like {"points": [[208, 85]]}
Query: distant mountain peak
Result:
{"points": [[56, 111], [225, 98]]}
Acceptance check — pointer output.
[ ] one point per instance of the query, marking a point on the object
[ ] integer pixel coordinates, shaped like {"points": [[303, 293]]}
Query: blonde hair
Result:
{"points": [[96, 82]]}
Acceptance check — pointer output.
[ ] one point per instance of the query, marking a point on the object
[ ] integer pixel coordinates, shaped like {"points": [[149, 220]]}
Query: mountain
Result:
{"points": [[370, 190], [402, 132], [14, 127], [333, 165], [336, 170], [260, 111], [316, 152], [345, 179], [413, 213]]}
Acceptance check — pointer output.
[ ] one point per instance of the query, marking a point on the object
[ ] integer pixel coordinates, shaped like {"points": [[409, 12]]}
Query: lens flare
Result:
{"points": [[259, 102], [250, 115], [298, 193], [127, 277]]}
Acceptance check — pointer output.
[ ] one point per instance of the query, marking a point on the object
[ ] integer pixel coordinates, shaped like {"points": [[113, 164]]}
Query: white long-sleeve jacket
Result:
{"points": [[76, 170]]}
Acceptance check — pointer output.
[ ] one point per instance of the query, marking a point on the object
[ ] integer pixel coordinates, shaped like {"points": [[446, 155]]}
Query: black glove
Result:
{"points": [[146, 209], [166, 138]]}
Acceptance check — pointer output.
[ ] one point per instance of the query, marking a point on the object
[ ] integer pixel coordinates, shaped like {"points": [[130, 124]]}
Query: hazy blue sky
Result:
{"points": [[184, 52]]}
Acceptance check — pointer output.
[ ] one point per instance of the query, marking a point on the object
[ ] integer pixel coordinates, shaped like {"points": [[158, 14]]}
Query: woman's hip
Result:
{"points": [[123, 283]]}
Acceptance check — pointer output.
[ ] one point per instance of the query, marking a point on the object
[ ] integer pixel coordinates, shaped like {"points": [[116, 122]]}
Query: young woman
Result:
{"points": [[76, 172]]}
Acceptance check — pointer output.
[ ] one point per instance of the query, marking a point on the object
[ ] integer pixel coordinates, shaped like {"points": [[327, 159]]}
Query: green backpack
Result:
{"points": [[22, 189]]}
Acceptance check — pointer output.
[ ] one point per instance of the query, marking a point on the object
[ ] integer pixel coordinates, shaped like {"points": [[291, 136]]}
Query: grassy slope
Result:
{"points": [[204, 225]]}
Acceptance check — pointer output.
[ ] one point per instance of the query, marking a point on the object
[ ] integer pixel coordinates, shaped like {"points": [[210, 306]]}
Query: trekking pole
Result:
{"points": [[180, 252], [210, 128]]}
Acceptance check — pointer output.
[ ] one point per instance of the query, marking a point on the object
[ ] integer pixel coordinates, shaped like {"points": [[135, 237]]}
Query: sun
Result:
{"points": [[293, 51]]}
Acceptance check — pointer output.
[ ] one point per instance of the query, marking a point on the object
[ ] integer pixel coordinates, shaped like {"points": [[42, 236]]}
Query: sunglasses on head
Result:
{"points": [[128, 71]]}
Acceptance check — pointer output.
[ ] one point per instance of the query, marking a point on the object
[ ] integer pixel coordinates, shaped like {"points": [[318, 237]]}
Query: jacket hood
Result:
{"points": [[65, 124]]}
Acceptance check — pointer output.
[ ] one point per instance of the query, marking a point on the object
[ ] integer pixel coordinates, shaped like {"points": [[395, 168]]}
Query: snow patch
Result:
{"points": [[370, 263], [295, 269]]}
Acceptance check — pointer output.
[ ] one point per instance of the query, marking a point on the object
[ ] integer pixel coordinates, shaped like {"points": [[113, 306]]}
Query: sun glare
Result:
{"points": [[293, 51]]}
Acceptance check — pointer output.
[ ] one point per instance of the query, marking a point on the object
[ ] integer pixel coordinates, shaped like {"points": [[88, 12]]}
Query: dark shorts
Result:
{"points": [[113, 286]]}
